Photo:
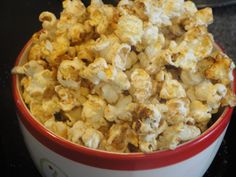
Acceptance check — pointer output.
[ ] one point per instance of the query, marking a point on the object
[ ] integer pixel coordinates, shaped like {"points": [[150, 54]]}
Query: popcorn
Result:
{"points": [[172, 89], [140, 77], [199, 111], [191, 78], [113, 51], [229, 98], [39, 113], [68, 73], [101, 16], [201, 17], [149, 117], [131, 60], [91, 138], [110, 93], [178, 109], [68, 98], [48, 20], [30, 69], [141, 85], [76, 132], [174, 134], [221, 70], [121, 111], [125, 7], [40, 83], [73, 116], [95, 71], [73, 10], [93, 112], [148, 142], [58, 128], [59, 47], [150, 34], [129, 29], [120, 135]]}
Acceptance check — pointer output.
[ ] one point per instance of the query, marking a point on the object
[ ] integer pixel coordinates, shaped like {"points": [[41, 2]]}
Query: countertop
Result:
{"points": [[19, 19]]}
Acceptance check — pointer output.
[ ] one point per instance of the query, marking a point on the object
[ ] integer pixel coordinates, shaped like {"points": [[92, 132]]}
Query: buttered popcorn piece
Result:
{"points": [[95, 71], [178, 109], [140, 77], [40, 82], [59, 128], [58, 47], [112, 50], [110, 93], [68, 98], [129, 29], [93, 112], [141, 85], [73, 10], [190, 78], [221, 69], [201, 113], [149, 117], [176, 134], [172, 89], [101, 16], [68, 73], [202, 17], [210, 93], [121, 111], [76, 132], [92, 137], [29, 69], [120, 135]]}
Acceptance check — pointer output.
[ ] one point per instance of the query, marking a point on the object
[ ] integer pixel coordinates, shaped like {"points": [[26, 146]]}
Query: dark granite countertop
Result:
{"points": [[19, 19], [224, 29]]}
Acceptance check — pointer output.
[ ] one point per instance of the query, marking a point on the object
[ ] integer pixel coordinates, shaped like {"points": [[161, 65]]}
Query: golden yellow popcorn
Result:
{"points": [[91, 138], [76, 132], [68, 97], [68, 73], [129, 29], [59, 128], [110, 93], [202, 17], [93, 112], [140, 77], [178, 110], [190, 78], [141, 85], [221, 69], [177, 133], [172, 89], [40, 83], [120, 136], [48, 20], [122, 111], [95, 71], [201, 113]]}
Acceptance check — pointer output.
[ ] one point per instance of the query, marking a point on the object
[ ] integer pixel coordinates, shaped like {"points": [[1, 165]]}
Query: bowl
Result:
{"points": [[55, 156]]}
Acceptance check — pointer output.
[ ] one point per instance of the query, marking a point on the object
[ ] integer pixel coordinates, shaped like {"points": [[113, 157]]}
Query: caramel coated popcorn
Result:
{"points": [[140, 77]]}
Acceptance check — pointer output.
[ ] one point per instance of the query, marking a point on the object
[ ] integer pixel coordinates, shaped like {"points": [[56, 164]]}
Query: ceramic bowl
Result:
{"points": [[57, 157]]}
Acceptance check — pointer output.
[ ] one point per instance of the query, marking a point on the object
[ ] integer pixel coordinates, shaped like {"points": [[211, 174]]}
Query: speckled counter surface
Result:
{"points": [[19, 19], [224, 29]]}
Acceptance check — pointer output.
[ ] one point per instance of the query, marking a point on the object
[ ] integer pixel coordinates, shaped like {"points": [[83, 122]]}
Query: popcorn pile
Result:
{"points": [[140, 77]]}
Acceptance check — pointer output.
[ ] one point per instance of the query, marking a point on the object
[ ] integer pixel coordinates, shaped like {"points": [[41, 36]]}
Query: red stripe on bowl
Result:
{"points": [[116, 161]]}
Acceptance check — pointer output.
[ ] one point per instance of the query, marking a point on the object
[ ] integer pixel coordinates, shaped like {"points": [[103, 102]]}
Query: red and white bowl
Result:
{"points": [[54, 156]]}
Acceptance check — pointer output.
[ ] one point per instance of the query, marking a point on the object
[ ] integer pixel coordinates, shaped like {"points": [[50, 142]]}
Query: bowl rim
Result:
{"points": [[111, 160]]}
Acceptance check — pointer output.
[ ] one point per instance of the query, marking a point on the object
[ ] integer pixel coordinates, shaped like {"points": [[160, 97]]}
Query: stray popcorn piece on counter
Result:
{"points": [[140, 77]]}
